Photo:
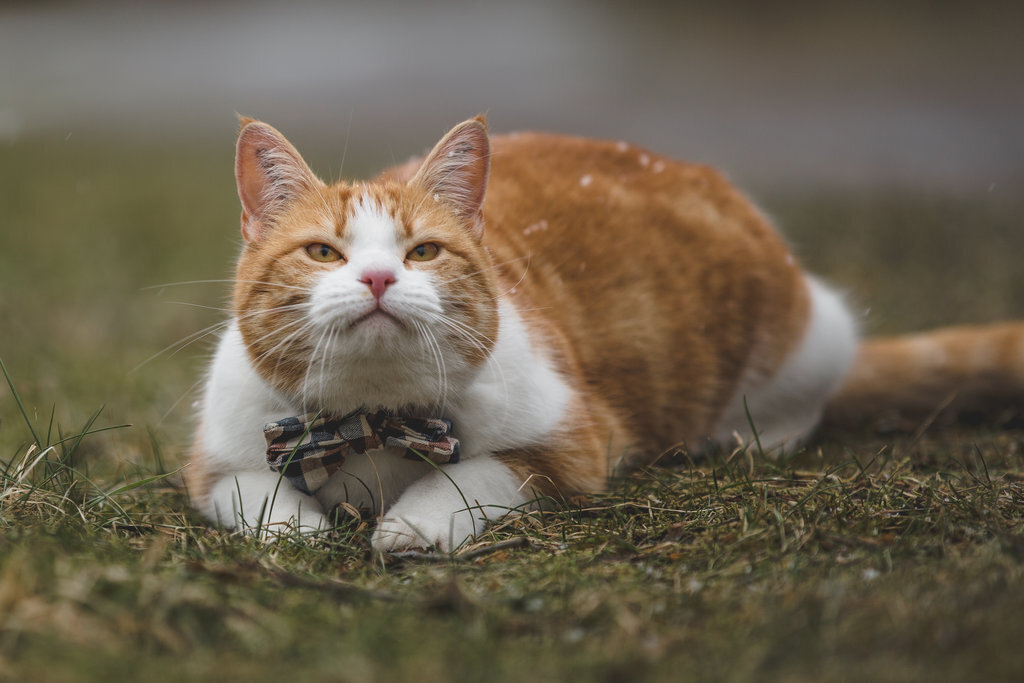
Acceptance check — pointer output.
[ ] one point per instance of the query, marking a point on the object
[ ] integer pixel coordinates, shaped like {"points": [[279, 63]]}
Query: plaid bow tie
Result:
{"points": [[308, 449]]}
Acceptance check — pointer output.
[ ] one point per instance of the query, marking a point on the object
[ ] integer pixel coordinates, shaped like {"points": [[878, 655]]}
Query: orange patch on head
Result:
{"points": [[298, 231]]}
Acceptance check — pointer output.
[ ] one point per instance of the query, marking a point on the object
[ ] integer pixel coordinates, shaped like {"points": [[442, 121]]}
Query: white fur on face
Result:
{"points": [[367, 353], [515, 399], [372, 244]]}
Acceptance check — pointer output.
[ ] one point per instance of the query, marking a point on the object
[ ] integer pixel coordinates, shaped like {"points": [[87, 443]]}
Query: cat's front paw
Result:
{"points": [[255, 503], [445, 509], [445, 532]]}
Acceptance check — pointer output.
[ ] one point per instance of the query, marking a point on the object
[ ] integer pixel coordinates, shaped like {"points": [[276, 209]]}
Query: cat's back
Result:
{"points": [[599, 212], [668, 283], [579, 179]]}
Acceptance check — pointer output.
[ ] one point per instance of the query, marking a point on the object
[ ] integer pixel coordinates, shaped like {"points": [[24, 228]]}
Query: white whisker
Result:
{"points": [[302, 322], [306, 404], [202, 306], [222, 281], [519, 281], [302, 326], [183, 343], [331, 338], [493, 266], [181, 398], [442, 371], [190, 339], [473, 337], [344, 149]]}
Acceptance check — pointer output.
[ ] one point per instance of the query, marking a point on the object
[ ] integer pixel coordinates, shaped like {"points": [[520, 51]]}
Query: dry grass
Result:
{"points": [[903, 564], [890, 557]]}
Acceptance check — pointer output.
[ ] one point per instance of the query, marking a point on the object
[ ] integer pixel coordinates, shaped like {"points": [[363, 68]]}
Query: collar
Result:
{"points": [[308, 449]]}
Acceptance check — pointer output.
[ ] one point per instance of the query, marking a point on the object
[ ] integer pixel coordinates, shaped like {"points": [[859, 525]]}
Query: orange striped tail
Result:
{"points": [[900, 383]]}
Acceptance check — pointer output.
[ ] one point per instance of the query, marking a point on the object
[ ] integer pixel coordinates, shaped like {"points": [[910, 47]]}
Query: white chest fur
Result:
{"points": [[516, 399]]}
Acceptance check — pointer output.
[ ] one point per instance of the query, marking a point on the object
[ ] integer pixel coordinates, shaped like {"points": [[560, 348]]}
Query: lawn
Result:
{"points": [[866, 556]]}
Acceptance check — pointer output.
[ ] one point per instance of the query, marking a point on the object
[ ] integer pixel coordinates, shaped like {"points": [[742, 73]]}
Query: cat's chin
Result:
{"points": [[377, 320]]}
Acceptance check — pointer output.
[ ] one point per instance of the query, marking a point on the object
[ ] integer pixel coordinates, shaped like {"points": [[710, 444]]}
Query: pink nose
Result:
{"points": [[378, 281]]}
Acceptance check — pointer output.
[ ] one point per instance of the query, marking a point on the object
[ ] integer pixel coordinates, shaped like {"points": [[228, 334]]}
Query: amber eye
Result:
{"points": [[424, 252], [323, 253]]}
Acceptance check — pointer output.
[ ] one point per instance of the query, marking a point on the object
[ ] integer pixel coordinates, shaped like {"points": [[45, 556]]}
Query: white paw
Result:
{"points": [[443, 531], [445, 509], [257, 503]]}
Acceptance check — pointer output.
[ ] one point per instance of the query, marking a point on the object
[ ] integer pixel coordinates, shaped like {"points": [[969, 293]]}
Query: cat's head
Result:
{"points": [[375, 294]]}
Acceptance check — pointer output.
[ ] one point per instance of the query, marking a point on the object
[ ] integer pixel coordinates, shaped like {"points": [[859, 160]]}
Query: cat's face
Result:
{"points": [[376, 295]]}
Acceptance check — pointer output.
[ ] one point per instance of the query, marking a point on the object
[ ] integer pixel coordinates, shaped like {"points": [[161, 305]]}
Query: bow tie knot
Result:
{"points": [[308, 449]]}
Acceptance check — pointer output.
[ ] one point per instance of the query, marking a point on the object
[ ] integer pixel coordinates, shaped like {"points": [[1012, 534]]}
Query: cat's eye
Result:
{"points": [[424, 252], [323, 253]]}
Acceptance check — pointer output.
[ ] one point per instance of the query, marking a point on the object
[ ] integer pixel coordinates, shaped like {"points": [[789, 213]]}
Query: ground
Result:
{"points": [[865, 556]]}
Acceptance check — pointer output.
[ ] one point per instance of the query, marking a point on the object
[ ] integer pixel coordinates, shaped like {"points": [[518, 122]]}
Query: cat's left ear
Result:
{"points": [[270, 173], [456, 170]]}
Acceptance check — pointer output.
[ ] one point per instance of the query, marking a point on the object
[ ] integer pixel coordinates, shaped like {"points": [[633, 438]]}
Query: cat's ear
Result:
{"points": [[269, 172], [456, 170]]}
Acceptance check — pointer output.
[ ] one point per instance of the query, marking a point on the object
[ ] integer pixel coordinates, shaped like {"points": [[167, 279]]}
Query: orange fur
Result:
{"points": [[279, 259], [656, 289], [898, 382], [654, 284], [666, 286]]}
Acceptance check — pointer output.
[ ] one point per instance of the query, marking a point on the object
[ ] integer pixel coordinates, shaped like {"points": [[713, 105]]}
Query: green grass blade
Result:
{"points": [[21, 406]]}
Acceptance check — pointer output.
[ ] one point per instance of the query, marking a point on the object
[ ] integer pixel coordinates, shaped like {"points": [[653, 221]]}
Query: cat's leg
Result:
{"points": [[455, 502], [264, 503], [372, 481], [450, 505], [229, 479], [785, 409]]}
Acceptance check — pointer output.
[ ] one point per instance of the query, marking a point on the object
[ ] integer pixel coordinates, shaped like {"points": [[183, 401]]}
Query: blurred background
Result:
{"points": [[885, 138], [920, 94]]}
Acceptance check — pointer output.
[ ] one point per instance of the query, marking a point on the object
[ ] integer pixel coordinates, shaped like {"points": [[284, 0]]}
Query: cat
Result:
{"points": [[556, 309]]}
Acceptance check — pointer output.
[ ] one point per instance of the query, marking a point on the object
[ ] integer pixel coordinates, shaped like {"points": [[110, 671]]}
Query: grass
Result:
{"points": [[888, 557]]}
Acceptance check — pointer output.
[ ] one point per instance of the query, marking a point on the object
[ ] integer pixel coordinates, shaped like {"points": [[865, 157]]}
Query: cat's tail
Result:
{"points": [[905, 382]]}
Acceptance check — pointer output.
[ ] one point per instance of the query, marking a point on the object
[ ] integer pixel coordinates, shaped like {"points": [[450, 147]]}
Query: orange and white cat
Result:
{"points": [[572, 307]]}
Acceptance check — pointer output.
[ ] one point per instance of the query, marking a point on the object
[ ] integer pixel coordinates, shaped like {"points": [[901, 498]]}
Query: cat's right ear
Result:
{"points": [[269, 172], [457, 169]]}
